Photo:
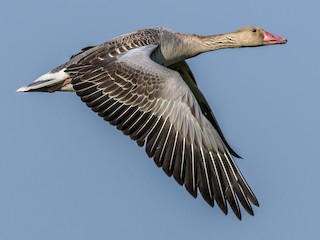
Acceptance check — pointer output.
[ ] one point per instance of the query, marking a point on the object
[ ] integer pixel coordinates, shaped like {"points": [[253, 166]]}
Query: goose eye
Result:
{"points": [[254, 30]]}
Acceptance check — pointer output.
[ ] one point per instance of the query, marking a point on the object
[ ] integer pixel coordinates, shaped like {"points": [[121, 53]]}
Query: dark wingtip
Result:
{"points": [[238, 214], [233, 153], [223, 207], [256, 203]]}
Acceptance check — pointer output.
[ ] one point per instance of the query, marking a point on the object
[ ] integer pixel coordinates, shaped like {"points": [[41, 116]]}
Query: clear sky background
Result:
{"points": [[67, 174]]}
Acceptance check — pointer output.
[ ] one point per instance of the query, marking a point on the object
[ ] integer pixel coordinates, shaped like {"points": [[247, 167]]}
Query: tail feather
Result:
{"points": [[49, 82]]}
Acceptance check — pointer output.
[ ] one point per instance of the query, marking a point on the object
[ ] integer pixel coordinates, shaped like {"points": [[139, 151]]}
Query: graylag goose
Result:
{"points": [[141, 83]]}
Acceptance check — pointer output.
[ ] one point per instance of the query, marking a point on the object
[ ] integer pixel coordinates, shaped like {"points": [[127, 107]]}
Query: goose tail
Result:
{"points": [[50, 82]]}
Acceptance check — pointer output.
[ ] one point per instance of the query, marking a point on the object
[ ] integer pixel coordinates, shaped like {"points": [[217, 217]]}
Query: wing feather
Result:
{"points": [[155, 107]]}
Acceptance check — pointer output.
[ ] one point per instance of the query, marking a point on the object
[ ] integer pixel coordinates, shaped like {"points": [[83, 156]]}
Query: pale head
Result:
{"points": [[256, 36]]}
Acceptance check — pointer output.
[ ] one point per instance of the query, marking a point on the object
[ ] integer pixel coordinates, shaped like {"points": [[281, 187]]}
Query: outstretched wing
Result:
{"points": [[156, 108]]}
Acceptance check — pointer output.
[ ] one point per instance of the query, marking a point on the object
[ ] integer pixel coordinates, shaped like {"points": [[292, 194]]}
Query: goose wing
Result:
{"points": [[156, 108]]}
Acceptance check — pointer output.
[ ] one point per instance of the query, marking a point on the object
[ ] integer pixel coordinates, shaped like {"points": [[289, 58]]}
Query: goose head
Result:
{"points": [[256, 36]]}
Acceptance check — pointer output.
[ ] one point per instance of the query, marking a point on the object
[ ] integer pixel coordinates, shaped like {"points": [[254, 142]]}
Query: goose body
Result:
{"points": [[141, 83]]}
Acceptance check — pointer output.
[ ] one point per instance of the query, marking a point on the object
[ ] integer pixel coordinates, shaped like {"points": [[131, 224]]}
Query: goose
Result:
{"points": [[141, 83]]}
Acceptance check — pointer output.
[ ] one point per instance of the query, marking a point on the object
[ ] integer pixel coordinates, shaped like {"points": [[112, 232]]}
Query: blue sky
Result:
{"points": [[66, 174]]}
